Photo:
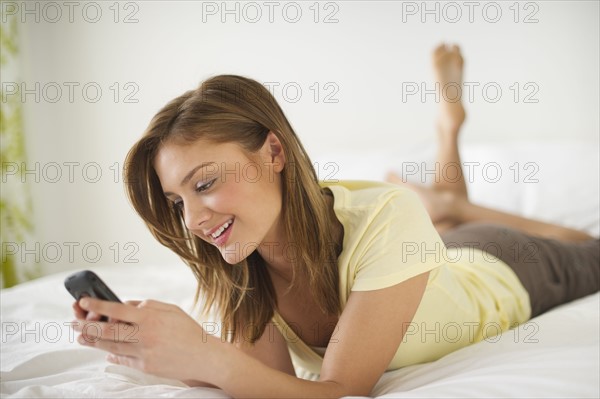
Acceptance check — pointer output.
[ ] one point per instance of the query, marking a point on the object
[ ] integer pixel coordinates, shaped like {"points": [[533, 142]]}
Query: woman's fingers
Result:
{"points": [[91, 316], [130, 303], [93, 309], [129, 361], [85, 315], [113, 310], [155, 337], [79, 313], [96, 331], [152, 304], [117, 338]]}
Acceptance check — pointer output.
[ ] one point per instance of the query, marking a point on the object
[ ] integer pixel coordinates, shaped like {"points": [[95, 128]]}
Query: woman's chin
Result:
{"points": [[234, 253], [233, 256], [232, 259]]}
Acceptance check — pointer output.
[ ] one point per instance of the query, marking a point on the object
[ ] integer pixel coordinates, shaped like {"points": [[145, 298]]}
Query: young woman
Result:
{"points": [[350, 278]]}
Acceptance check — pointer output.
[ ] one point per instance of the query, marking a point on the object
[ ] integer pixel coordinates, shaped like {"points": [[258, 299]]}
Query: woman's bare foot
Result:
{"points": [[448, 67]]}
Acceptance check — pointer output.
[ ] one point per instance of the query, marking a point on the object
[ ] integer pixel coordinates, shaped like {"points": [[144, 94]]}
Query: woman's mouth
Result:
{"points": [[220, 236]]}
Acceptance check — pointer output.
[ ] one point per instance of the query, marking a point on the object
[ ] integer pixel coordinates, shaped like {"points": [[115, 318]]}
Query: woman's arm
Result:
{"points": [[166, 342], [270, 349], [369, 333]]}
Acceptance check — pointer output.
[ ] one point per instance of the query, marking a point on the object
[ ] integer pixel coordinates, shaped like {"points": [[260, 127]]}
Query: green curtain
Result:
{"points": [[15, 198]]}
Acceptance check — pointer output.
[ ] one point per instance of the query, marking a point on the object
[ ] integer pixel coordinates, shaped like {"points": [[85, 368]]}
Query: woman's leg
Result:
{"points": [[448, 67], [553, 272], [552, 269], [447, 201]]}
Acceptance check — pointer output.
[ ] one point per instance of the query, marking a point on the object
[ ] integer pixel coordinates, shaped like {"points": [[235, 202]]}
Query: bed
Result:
{"points": [[554, 355]]}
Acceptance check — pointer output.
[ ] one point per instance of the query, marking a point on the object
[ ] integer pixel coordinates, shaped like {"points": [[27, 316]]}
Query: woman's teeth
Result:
{"points": [[217, 233]]}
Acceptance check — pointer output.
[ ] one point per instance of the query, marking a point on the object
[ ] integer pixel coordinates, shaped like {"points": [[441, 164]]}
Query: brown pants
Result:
{"points": [[553, 272]]}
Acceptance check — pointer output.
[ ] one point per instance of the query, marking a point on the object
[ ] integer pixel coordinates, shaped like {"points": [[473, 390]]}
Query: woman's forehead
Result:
{"points": [[171, 154]]}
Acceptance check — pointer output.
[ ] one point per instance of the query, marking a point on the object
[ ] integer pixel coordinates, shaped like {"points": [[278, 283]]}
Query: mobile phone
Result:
{"points": [[87, 283]]}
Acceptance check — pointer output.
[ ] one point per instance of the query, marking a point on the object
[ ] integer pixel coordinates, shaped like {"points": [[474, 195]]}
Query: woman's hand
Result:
{"points": [[151, 336]]}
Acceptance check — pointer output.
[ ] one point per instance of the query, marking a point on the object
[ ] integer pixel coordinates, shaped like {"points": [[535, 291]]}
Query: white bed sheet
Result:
{"points": [[554, 355]]}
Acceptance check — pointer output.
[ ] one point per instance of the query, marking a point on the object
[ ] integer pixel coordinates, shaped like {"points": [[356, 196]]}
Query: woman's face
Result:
{"points": [[228, 197]]}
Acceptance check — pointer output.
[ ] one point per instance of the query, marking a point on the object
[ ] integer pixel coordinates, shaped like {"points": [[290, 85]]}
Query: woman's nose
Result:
{"points": [[194, 216]]}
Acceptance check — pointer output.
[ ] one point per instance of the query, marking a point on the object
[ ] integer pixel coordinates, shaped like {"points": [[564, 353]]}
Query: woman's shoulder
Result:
{"points": [[365, 193], [385, 228]]}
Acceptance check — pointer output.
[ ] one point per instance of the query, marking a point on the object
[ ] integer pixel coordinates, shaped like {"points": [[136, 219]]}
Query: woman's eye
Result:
{"points": [[206, 186], [177, 205]]}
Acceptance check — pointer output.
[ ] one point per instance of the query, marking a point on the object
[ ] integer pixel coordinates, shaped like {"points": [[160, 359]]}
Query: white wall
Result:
{"points": [[368, 55]]}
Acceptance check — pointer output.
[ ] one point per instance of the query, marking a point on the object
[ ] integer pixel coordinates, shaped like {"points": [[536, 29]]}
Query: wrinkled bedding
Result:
{"points": [[554, 355]]}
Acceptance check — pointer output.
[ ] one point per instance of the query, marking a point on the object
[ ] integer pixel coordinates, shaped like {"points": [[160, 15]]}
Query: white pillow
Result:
{"points": [[556, 181]]}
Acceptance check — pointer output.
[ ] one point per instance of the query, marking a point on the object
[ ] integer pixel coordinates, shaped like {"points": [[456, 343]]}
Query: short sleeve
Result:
{"points": [[400, 242]]}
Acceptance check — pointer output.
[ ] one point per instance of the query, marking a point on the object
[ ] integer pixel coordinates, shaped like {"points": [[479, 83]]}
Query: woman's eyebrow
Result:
{"points": [[190, 174]]}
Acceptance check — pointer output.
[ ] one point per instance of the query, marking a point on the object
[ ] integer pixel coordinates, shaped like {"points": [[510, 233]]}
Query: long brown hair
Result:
{"points": [[229, 108]]}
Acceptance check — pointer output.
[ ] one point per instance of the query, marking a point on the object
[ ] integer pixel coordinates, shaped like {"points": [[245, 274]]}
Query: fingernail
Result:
{"points": [[84, 303]]}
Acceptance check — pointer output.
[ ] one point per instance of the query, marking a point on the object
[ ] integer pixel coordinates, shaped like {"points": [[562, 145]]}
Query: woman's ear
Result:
{"points": [[273, 149]]}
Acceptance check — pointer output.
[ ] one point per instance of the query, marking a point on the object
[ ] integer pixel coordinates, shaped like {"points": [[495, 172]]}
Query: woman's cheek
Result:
{"points": [[225, 200]]}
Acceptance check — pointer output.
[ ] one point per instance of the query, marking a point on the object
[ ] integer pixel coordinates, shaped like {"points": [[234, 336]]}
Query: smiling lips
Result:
{"points": [[217, 233]]}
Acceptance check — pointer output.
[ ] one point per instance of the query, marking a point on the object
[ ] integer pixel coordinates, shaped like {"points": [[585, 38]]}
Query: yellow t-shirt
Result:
{"points": [[389, 238]]}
